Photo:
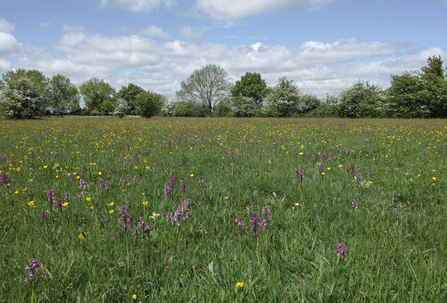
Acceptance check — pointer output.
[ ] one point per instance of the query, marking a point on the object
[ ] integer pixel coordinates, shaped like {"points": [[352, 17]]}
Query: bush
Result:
{"points": [[121, 108], [20, 99], [148, 104], [222, 109]]}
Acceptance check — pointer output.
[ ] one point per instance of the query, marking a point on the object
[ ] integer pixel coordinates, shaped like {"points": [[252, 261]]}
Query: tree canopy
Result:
{"points": [[251, 86], [98, 96]]}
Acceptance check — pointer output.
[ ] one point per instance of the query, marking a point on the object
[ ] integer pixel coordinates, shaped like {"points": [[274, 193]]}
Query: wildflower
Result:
{"points": [[34, 267], [107, 186], [180, 215], [89, 199], [79, 198], [111, 204], [59, 204], [121, 182], [100, 173], [184, 186], [255, 224], [168, 190], [239, 284], [297, 204], [91, 207], [67, 196], [142, 225], [101, 182], [81, 236], [226, 198], [125, 217], [111, 211], [240, 223], [65, 204], [342, 250], [191, 175], [145, 203], [353, 204], [135, 296], [81, 184], [31, 203], [340, 165], [201, 180], [300, 174], [16, 192]]}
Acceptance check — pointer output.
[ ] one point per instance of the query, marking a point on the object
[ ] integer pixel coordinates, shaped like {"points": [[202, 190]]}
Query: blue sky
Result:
{"points": [[323, 45]]}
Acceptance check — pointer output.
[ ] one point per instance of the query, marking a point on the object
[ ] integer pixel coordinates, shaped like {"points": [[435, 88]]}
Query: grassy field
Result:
{"points": [[258, 207]]}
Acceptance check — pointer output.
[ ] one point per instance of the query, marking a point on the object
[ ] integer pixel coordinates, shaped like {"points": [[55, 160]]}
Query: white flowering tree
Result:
{"points": [[283, 100], [121, 108], [243, 106]]}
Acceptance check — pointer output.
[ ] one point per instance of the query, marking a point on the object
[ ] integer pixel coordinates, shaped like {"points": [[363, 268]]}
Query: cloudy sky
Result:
{"points": [[323, 45]]}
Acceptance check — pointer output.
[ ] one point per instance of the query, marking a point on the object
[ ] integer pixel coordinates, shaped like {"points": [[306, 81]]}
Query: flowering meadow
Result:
{"points": [[223, 210]]}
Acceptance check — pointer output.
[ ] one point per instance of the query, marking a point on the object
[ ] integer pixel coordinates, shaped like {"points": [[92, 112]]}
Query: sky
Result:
{"points": [[323, 45]]}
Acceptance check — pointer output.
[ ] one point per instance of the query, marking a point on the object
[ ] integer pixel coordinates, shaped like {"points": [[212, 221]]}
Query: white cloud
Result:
{"points": [[155, 32], [188, 33], [5, 65], [8, 44], [232, 9], [316, 67], [6, 27], [44, 26], [136, 6]]}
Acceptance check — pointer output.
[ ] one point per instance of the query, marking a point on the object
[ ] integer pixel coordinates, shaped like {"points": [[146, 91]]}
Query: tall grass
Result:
{"points": [[390, 213]]}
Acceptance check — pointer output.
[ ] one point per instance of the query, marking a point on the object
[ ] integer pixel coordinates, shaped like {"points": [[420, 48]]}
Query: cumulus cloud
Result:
{"points": [[232, 9], [6, 27], [136, 6], [8, 44], [5, 65], [44, 26], [188, 33], [155, 32], [316, 67]]}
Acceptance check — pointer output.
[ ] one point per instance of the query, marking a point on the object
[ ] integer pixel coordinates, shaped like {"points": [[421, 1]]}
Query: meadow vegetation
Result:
{"points": [[223, 210]]}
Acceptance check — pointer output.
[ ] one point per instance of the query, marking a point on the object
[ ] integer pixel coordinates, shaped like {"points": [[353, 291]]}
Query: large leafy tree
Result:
{"points": [[38, 80], [408, 97], [283, 100], [251, 86], [360, 100], [129, 94], [435, 84], [148, 104], [98, 96], [21, 99], [206, 87], [63, 95]]}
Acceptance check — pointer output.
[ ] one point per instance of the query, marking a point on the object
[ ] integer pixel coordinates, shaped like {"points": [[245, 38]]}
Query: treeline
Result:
{"points": [[209, 92]]}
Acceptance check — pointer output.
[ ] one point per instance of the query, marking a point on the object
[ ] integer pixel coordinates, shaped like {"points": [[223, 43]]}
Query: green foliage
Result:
{"points": [[436, 86], [148, 104], [129, 94], [206, 87], [408, 97], [98, 96], [243, 106], [360, 100], [222, 109], [251, 86], [121, 108], [21, 99], [308, 103], [63, 96], [283, 101]]}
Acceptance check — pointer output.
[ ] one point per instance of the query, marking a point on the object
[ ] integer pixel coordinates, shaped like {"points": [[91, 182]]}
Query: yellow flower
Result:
{"points": [[45, 166], [18, 169], [77, 177], [340, 165], [226, 198], [100, 173], [24, 189], [111, 204], [239, 284], [154, 215], [328, 168], [81, 236], [31, 203], [300, 154], [297, 204], [92, 207], [322, 173], [434, 178], [31, 180], [89, 199], [57, 177], [134, 297], [65, 204], [111, 212], [16, 192], [143, 194], [145, 203], [191, 175]]}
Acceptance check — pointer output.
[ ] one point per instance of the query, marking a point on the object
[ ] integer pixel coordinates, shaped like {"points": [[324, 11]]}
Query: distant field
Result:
{"points": [[298, 185]]}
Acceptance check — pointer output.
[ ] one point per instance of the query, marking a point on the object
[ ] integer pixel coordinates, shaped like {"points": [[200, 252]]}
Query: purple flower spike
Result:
{"points": [[142, 225], [342, 250], [34, 267], [51, 196], [180, 215], [124, 216], [184, 186]]}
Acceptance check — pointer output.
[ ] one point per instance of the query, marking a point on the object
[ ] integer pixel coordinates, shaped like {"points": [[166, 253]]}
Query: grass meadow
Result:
{"points": [[262, 210]]}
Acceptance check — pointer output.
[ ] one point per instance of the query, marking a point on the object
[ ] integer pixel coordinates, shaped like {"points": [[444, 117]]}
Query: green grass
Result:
{"points": [[396, 237]]}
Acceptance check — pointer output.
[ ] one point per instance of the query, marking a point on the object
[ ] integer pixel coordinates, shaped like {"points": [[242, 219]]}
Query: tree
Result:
{"points": [[283, 100], [38, 79], [63, 95], [308, 103], [21, 99], [435, 83], [148, 104], [206, 86], [360, 100], [251, 86], [408, 97], [129, 94], [98, 96], [243, 106], [121, 108]]}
